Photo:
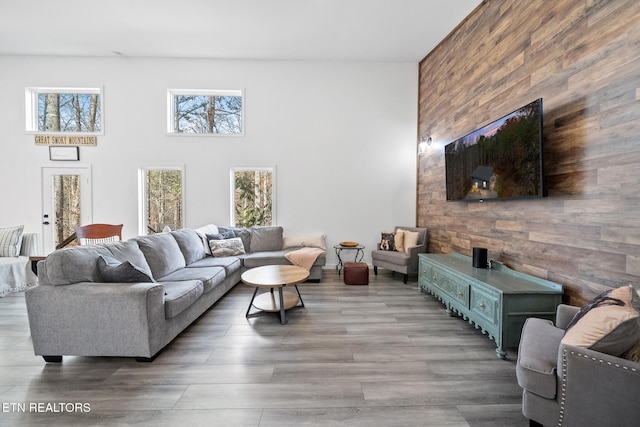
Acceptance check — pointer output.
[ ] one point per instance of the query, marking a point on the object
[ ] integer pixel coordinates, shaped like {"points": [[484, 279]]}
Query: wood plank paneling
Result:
{"points": [[583, 59]]}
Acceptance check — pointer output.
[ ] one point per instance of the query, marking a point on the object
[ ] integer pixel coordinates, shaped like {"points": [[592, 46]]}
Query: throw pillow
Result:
{"points": [[316, 241], [245, 235], [114, 271], [266, 239], [226, 247], [387, 243], [398, 239], [11, 241], [410, 239], [229, 234], [608, 324]]}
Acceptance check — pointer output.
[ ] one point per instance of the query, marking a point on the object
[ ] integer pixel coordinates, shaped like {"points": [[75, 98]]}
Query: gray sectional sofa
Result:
{"points": [[132, 298]]}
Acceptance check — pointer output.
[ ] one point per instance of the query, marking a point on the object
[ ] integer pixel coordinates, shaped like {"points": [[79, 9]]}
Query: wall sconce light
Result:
{"points": [[423, 144]]}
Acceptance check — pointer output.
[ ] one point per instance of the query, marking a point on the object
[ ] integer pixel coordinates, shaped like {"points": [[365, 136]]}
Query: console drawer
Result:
{"points": [[485, 305], [456, 289]]}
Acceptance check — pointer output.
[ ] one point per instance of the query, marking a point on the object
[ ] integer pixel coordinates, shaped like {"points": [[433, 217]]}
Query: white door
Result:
{"points": [[66, 203]]}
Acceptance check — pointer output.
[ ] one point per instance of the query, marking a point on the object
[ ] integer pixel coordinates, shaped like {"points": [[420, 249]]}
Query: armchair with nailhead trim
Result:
{"points": [[564, 385]]}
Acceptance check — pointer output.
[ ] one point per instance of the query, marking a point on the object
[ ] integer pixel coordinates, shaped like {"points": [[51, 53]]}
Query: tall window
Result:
{"points": [[64, 110], [212, 112], [252, 196], [161, 199]]}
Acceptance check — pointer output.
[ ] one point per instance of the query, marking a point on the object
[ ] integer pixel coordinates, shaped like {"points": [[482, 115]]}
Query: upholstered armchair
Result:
{"points": [[567, 385], [405, 261]]}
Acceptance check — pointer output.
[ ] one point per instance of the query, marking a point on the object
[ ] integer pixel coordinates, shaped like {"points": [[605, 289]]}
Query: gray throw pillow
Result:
{"points": [[114, 271], [266, 239]]}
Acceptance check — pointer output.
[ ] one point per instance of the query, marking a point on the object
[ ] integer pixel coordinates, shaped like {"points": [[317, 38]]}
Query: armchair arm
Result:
{"points": [[598, 389]]}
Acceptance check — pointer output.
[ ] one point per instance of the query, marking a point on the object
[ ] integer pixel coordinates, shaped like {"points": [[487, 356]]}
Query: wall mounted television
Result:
{"points": [[502, 160]]}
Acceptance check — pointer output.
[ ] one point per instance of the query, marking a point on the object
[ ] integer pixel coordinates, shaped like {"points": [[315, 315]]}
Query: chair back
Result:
{"points": [[98, 233]]}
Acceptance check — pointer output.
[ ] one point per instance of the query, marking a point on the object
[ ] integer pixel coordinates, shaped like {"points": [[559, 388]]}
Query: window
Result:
{"points": [[64, 110], [205, 112], [161, 199], [252, 196]]}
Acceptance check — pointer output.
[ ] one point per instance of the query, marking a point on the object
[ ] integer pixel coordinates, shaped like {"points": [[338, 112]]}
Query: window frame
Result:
{"points": [[171, 98], [232, 185], [31, 108], [142, 195]]}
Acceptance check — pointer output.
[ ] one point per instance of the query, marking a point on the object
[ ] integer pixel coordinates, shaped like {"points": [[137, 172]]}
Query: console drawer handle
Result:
{"points": [[482, 305]]}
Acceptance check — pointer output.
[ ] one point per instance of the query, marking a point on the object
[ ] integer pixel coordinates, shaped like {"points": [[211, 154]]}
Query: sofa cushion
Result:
{"points": [[114, 271], [397, 258], [538, 357], [245, 235], [128, 251], [162, 253], [190, 244], [266, 239], [76, 264], [178, 296], [608, 324], [11, 240], [230, 264], [209, 276], [226, 247], [258, 259]]}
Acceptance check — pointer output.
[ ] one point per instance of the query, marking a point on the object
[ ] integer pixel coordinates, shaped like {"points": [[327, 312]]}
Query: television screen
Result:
{"points": [[502, 160]]}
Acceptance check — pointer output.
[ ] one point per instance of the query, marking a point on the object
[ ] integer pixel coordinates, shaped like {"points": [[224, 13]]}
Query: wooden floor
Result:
{"points": [[377, 355]]}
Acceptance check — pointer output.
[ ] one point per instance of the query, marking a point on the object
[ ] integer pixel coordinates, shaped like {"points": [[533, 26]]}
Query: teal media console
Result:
{"points": [[496, 300]]}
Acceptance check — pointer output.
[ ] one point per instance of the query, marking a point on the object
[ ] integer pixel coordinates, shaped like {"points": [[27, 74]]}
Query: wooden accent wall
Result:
{"points": [[583, 58]]}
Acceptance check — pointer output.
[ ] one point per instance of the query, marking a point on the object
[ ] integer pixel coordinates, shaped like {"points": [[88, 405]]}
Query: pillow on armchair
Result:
{"points": [[410, 238], [609, 323], [388, 242]]}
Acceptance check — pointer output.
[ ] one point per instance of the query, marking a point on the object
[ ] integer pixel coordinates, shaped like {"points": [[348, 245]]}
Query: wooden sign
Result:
{"points": [[64, 140]]}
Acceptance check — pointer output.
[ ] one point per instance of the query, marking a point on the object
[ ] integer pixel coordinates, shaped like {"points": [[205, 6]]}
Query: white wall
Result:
{"points": [[341, 135]]}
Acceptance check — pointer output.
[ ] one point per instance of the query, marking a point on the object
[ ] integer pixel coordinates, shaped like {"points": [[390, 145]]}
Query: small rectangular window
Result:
{"points": [[64, 110], [205, 112]]}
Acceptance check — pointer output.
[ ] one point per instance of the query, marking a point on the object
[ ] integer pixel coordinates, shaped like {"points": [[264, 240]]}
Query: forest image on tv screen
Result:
{"points": [[500, 160]]}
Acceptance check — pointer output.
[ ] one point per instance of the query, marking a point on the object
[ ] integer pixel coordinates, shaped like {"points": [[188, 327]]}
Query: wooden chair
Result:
{"points": [[98, 233]]}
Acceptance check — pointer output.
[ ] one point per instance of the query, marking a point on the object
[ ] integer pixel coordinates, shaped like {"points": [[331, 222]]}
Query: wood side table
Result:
{"points": [[275, 277]]}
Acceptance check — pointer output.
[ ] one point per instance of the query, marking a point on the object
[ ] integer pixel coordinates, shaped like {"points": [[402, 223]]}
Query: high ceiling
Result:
{"points": [[325, 30]]}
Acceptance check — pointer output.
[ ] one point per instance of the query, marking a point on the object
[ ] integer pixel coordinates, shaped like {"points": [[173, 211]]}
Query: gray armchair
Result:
{"points": [[401, 262], [565, 385]]}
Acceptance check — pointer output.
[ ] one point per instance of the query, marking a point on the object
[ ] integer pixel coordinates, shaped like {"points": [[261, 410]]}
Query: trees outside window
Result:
{"points": [[161, 199], [252, 196], [206, 112], [64, 110]]}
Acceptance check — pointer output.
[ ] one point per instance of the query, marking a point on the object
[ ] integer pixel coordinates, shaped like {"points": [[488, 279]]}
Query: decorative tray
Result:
{"points": [[349, 244]]}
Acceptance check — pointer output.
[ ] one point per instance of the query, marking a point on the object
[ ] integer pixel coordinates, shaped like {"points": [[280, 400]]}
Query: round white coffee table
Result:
{"points": [[275, 277]]}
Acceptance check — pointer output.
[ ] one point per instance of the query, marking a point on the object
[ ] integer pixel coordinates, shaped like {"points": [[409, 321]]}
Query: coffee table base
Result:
{"points": [[268, 302]]}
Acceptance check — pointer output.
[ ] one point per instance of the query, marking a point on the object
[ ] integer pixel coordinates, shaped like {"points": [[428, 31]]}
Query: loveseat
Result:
{"points": [[15, 267], [131, 298], [581, 375]]}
